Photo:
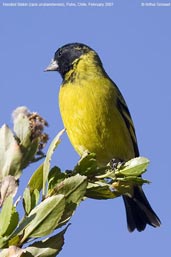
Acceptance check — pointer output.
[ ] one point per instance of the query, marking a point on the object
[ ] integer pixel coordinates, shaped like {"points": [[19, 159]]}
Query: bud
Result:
{"points": [[20, 148]]}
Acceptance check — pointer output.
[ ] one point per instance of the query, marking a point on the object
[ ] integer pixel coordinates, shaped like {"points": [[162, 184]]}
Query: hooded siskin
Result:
{"points": [[97, 120]]}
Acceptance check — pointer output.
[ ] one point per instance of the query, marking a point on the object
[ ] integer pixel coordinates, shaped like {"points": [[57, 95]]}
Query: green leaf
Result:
{"points": [[22, 126], [30, 199], [18, 233], [8, 221], [119, 181], [46, 165], [133, 180], [13, 222], [134, 167], [5, 216], [36, 180], [29, 153], [73, 188], [3, 242], [68, 212], [10, 154], [55, 177], [27, 200], [87, 166], [14, 240], [45, 217], [35, 198], [48, 247], [100, 191]]}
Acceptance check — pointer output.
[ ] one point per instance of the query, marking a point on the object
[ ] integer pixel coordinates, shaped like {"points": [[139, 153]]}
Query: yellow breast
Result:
{"points": [[92, 121]]}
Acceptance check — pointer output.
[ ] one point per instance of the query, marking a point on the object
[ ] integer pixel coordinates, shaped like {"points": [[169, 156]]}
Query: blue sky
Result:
{"points": [[134, 44]]}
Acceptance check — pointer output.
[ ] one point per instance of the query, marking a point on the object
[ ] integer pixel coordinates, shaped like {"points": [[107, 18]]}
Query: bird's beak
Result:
{"points": [[53, 66]]}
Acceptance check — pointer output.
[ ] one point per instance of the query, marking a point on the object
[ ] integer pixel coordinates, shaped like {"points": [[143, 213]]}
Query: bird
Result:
{"points": [[97, 120]]}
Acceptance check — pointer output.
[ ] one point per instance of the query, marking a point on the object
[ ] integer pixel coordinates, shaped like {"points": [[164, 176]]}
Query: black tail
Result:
{"points": [[139, 212]]}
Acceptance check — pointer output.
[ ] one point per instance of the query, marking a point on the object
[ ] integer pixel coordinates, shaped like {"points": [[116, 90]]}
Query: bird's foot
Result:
{"points": [[116, 163]]}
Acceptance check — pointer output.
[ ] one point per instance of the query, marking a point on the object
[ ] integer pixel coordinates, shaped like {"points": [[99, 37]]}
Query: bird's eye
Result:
{"points": [[60, 53]]}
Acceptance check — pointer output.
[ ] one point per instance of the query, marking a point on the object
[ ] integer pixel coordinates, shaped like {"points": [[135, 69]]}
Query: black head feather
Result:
{"points": [[67, 54]]}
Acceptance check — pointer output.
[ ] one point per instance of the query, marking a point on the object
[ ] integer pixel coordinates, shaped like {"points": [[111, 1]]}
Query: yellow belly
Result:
{"points": [[92, 121]]}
